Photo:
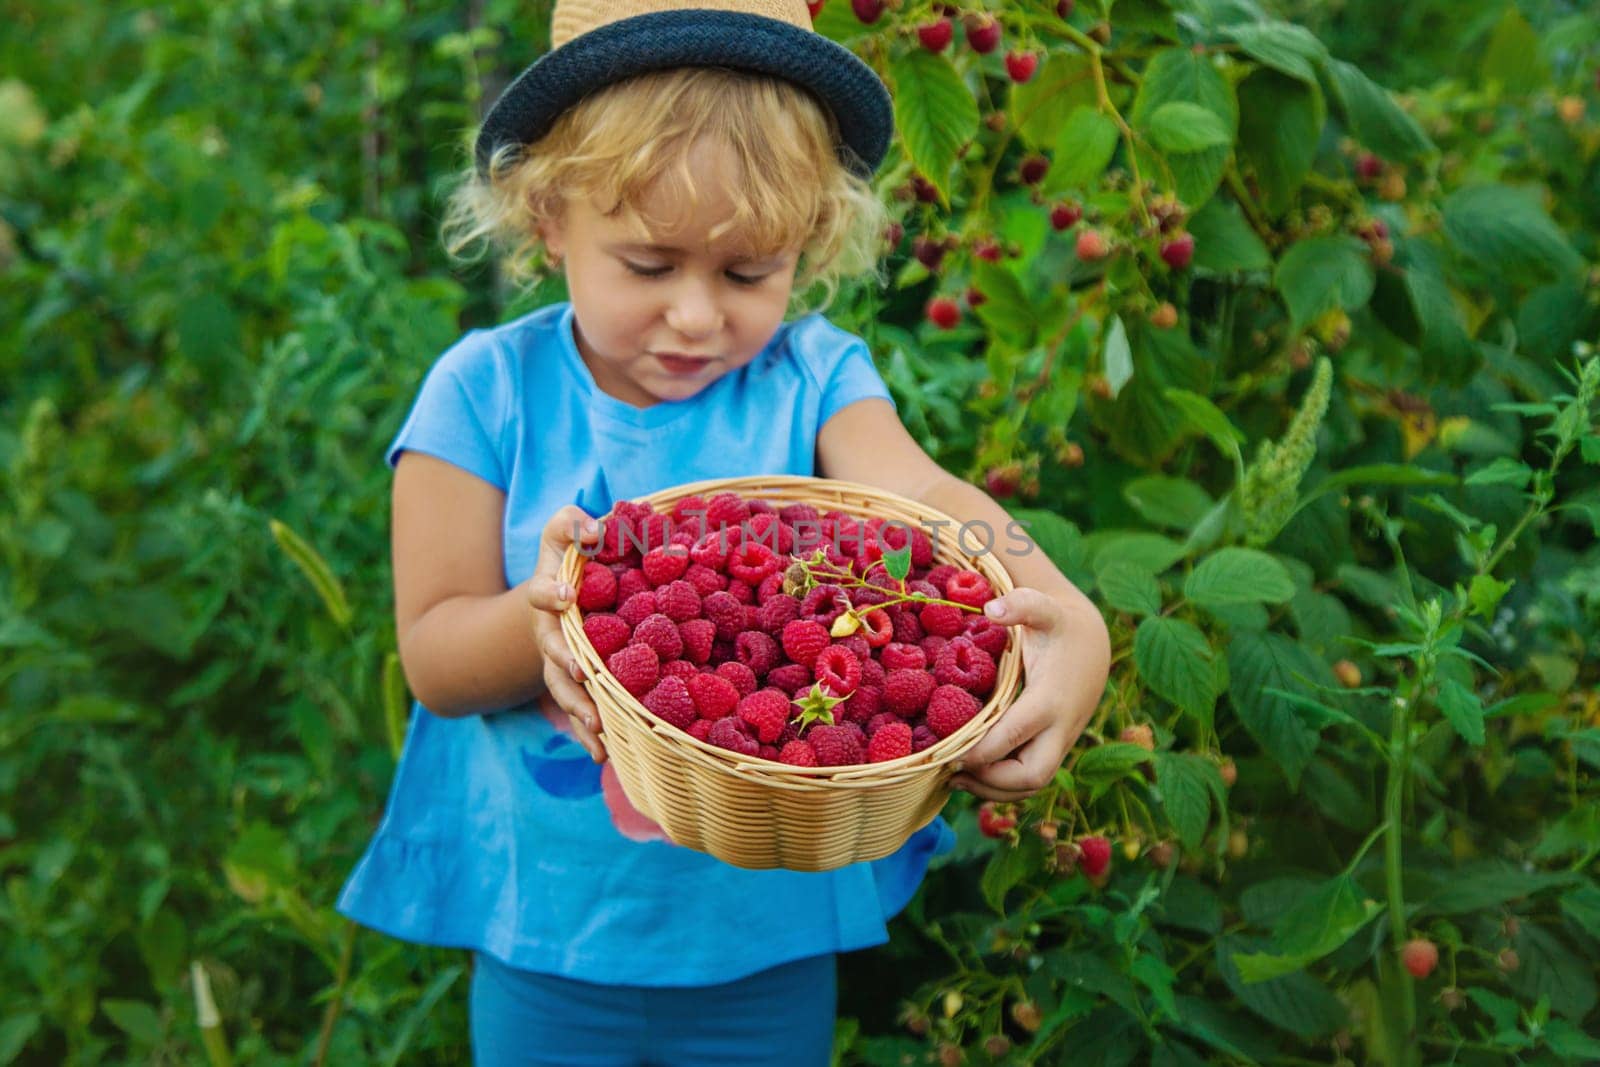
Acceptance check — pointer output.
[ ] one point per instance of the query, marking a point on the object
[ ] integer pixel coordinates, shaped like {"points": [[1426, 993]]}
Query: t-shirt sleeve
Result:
{"points": [[460, 412], [853, 376]]}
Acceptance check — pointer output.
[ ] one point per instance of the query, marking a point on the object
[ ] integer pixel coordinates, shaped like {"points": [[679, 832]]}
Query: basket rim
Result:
{"points": [[935, 759]]}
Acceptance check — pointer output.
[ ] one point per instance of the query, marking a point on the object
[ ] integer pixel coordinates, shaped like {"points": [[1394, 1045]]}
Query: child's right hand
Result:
{"points": [[549, 597]]}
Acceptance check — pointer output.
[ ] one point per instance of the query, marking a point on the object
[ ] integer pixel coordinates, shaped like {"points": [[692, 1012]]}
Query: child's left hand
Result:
{"points": [[1064, 657]]}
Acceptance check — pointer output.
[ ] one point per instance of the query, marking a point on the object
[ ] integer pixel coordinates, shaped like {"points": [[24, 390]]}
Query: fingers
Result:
{"points": [[546, 592], [1019, 724], [570, 524], [1020, 775], [1025, 607], [589, 740], [582, 714]]}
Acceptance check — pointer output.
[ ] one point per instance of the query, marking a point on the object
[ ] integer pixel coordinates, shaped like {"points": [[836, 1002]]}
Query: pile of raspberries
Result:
{"points": [[690, 613]]}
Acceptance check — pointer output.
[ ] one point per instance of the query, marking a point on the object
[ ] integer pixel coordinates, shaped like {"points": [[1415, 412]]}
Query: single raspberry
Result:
{"points": [[931, 647], [798, 754], [705, 580], [922, 737], [1177, 252], [606, 633], [891, 742], [943, 312], [838, 669], [670, 701], [993, 822], [770, 531], [857, 646], [683, 538], [877, 628], [936, 36], [726, 509], [835, 746], [1065, 216], [907, 630], [1092, 246], [725, 610], [714, 696], [793, 514], [987, 635], [856, 731], [752, 562], [667, 564], [1419, 956], [941, 620], [906, 692], [821, 604], [940, 575], [636, 667], [1020, 66], [770, 752], [969, 588], [872, 674], [804, 640], [983, 33], [950, 708], [698, 636], [791, 732], [700, 729], [688, 512], [678, 601], [965, 664], [597, 588], [630, 583], [757, 651], [721, 652], [637, 608], [868, 11], [771, 587], [1139, 734], [733, 735], [862, 705], [711, 551], [1033, 169], [1094, 857], [766, 711], [898, 657], [742, 591], [679, 668], [742, 677], [878, 721], [661, 634], [791, 677], [777, 613]]}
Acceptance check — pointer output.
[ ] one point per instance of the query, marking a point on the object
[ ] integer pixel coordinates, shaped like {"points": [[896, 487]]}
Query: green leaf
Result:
{"points": [[1173, 659], [898, 562], [1581, 906], [1083, 150], [1045, 108], [15, 1033], [396, 705], [1512, 58], [1203, 415], [1056, 537], [1320, 922], [1224, 243], [1373, 117], [934, 111], [1296, 1003], [260, 860], [1503, 471], [1007, 311], [1463, 709], [1478, 886], [1394, 302], [1286, 48], [1129, 588], [1280, 124], [419, 1013], [1151, 551], [1506, 233], [1143, 426], [136, 1019], [1239, 576], [1004, 871], [1109, 763], [1186, 784], [1322, 273], [1118, 356], [1175, 503], [1261, 661], [1179, 126], [1551, 969], [1179, 75]]}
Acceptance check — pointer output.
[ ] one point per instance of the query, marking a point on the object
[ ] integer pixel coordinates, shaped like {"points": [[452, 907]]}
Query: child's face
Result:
{"points": [[638, 309]]}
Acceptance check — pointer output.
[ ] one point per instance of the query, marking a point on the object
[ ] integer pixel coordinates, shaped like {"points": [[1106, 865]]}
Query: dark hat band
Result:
{"points": [[529, 107]]}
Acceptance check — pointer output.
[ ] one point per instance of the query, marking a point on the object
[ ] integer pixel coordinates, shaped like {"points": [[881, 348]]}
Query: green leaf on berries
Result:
{"points": [[1239, 576], [1102, 766], [1551, 969], [1179, 126], [1174, 659], [1284, 47], [1507, 234], [1297, 1003], [1323, 273], [1083, 150], [1044, 108], [1171, 503], [1372, 116], [898, 563], [1463, 710], [935, 112], [1201, 414], [1280, 125], [1261, 661], [1144, 428], [1320, 922], [1007, 311], [1129, 588], [1179, 75], [1187, 783], [1224, 243], [1513, 58]]}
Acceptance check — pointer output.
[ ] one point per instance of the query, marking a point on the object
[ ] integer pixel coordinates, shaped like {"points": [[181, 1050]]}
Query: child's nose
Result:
{"points": [[694, 311]]}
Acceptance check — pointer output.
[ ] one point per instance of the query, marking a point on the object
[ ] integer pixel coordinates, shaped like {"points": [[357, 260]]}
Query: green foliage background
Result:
{"points": [[222, 285]]}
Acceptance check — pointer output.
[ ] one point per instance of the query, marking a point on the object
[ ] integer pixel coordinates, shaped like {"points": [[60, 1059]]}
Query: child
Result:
{"points": [[687, 204]]}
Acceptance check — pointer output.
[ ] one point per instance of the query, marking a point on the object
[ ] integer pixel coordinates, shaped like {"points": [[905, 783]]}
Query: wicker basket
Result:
{"points": [[757, 813]]}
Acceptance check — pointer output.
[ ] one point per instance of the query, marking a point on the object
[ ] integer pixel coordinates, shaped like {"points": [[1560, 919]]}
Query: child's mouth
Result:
{"points": [[682, 365]]}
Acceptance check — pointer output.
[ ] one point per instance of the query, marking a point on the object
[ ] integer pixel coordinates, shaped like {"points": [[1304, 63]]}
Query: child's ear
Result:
{"points": [[553, 234]]}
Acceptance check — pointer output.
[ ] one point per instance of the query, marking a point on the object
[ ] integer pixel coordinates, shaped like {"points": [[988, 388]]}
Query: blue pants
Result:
{"points": [[782, 1017]]}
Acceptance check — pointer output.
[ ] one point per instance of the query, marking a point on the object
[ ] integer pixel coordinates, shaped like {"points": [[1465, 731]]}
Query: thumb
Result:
{"points": [[1024, 607], [569, 525]]}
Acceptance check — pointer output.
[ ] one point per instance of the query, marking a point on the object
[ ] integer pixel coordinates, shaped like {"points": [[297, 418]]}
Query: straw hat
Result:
{"points": [[595, 43]]}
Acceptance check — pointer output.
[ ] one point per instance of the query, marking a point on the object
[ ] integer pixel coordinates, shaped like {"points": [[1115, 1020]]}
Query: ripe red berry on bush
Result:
{"points": [[944, 312], [815, 656], [983, 33], [1419, 956], [936, 36], [1020, 66]]}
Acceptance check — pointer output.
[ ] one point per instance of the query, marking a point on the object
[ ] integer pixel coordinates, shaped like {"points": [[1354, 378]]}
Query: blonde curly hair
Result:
{"points": [[792, 189]]}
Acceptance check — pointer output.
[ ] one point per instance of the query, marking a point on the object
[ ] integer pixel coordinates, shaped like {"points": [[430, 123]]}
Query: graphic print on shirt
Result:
{"points": [[563, 770]]}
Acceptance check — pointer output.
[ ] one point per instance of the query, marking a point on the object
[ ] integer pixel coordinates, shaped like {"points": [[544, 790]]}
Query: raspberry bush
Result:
{"points": [[1289, 370]]}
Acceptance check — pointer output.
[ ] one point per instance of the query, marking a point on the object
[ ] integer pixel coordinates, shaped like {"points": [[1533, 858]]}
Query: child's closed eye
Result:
{"points": [[657, 272]]}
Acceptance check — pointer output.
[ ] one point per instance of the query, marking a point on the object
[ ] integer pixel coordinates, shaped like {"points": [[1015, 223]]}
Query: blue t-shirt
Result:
{"points": [[501, 834]]}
